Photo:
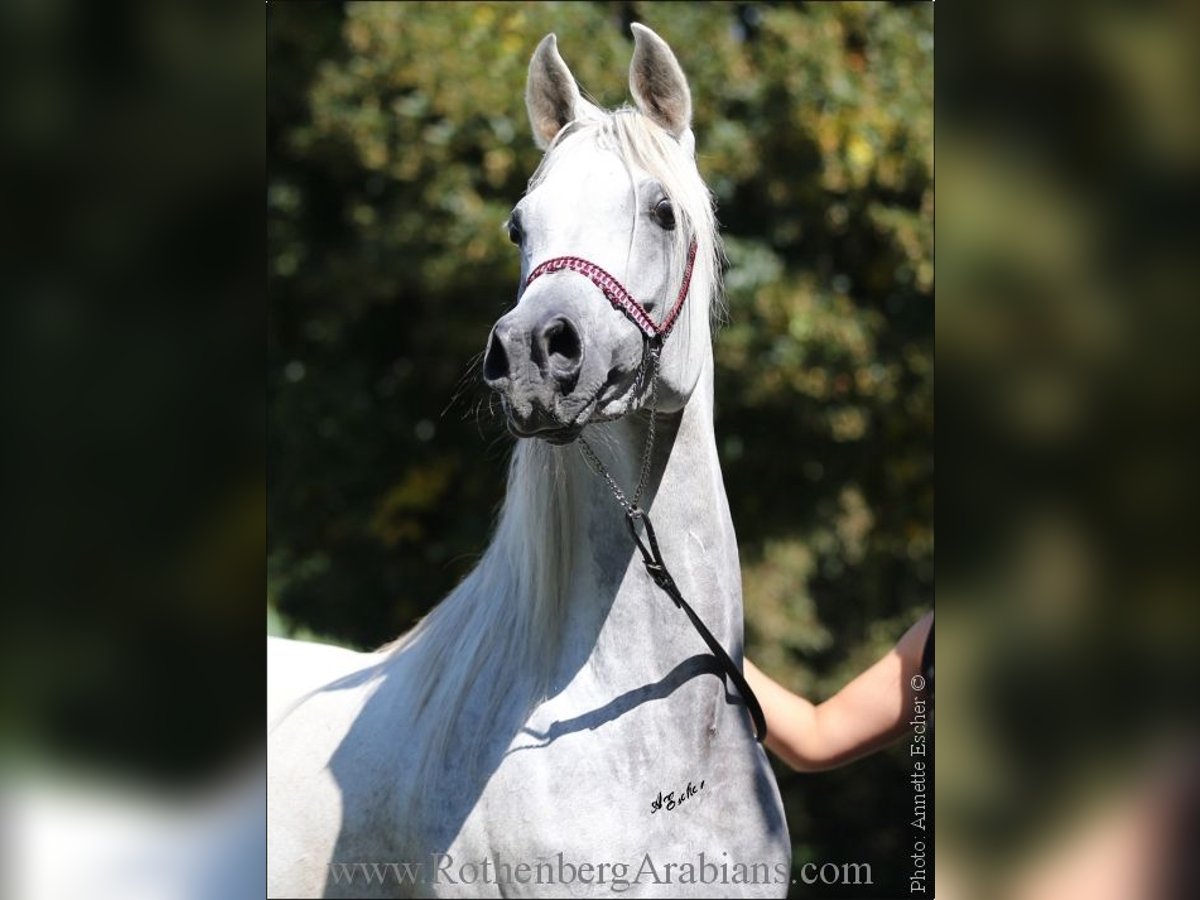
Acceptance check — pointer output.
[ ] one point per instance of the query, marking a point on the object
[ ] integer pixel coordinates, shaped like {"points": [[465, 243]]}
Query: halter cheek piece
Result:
{"points": [[655, 334]]}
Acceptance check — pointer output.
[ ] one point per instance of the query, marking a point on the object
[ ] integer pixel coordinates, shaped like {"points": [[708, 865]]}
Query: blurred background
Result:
{"points": [[1068, 628], [398, 143]]}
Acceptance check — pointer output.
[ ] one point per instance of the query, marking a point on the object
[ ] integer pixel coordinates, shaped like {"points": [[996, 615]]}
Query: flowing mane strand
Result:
{"points": [[497, 633]]}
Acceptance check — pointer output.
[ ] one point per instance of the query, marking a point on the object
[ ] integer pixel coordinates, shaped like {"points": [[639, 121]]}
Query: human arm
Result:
{"points": [[870, 712]]}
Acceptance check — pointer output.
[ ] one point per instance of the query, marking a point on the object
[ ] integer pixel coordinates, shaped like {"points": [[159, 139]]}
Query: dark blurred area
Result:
{"points": [[131, 140], [134, 491], [1068, 163]]}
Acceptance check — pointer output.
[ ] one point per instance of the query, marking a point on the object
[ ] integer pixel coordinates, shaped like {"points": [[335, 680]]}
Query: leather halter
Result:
{"points": [[655, 334], [616, 293]]}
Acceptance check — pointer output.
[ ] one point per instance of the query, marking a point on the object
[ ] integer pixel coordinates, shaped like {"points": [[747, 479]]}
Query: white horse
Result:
{"points": [[556, 726]]}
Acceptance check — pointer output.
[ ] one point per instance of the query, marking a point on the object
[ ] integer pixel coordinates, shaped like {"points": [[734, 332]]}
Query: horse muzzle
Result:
{"points": [[534, 365]]}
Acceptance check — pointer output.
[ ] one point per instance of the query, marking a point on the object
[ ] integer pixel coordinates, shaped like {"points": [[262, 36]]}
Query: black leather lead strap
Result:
{"points": [[652, 559]]}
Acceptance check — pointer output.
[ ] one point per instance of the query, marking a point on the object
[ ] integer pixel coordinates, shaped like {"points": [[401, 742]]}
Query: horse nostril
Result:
{"points": [[560, 339], [495, 361]]}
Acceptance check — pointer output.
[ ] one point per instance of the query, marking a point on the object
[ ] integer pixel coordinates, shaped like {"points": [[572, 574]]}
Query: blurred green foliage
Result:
{"points": [[398, 143]]}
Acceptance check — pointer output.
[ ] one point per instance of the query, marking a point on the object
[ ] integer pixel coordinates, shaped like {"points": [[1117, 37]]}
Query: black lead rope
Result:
{"points": [[657, 569]]}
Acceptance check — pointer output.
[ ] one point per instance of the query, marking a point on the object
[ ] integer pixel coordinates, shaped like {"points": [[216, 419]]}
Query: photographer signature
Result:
{"points": [[672, 800]]}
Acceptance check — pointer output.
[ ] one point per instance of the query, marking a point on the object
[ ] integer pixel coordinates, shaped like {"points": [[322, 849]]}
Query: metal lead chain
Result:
{"points": [[649, 360]]}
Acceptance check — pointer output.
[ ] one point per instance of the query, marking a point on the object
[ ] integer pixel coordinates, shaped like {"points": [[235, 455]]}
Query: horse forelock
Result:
{"points": [[641, 143]]}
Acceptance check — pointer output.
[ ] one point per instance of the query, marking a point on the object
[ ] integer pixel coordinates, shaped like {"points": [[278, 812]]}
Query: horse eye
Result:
{"points": [[514, 233], [664, 214]]}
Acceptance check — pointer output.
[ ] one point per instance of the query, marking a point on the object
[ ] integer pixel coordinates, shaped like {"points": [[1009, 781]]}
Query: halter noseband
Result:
{"points": [[616, 293]]}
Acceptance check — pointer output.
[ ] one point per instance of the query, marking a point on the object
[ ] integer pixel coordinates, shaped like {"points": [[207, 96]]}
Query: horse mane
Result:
{"points": [[497, 632]]}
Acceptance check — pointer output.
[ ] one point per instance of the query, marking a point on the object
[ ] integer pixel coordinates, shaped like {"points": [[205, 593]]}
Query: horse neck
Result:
{"points": [[615, 616]]}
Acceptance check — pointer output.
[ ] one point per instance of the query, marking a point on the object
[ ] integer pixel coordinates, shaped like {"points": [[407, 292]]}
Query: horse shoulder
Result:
{"points": [[295, 669], [340, 762]]}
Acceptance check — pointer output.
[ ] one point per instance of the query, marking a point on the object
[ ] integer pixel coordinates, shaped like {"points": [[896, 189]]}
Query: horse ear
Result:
{"points": [[658, 84], [551, 96]]}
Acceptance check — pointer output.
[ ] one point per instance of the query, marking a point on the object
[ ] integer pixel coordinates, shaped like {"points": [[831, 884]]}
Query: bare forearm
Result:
{"points": [[875, 708], [870, 712], [791, 720]]}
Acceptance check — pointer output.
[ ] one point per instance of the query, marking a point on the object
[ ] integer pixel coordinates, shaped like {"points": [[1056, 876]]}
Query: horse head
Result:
{"points": [[616, 233]]}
